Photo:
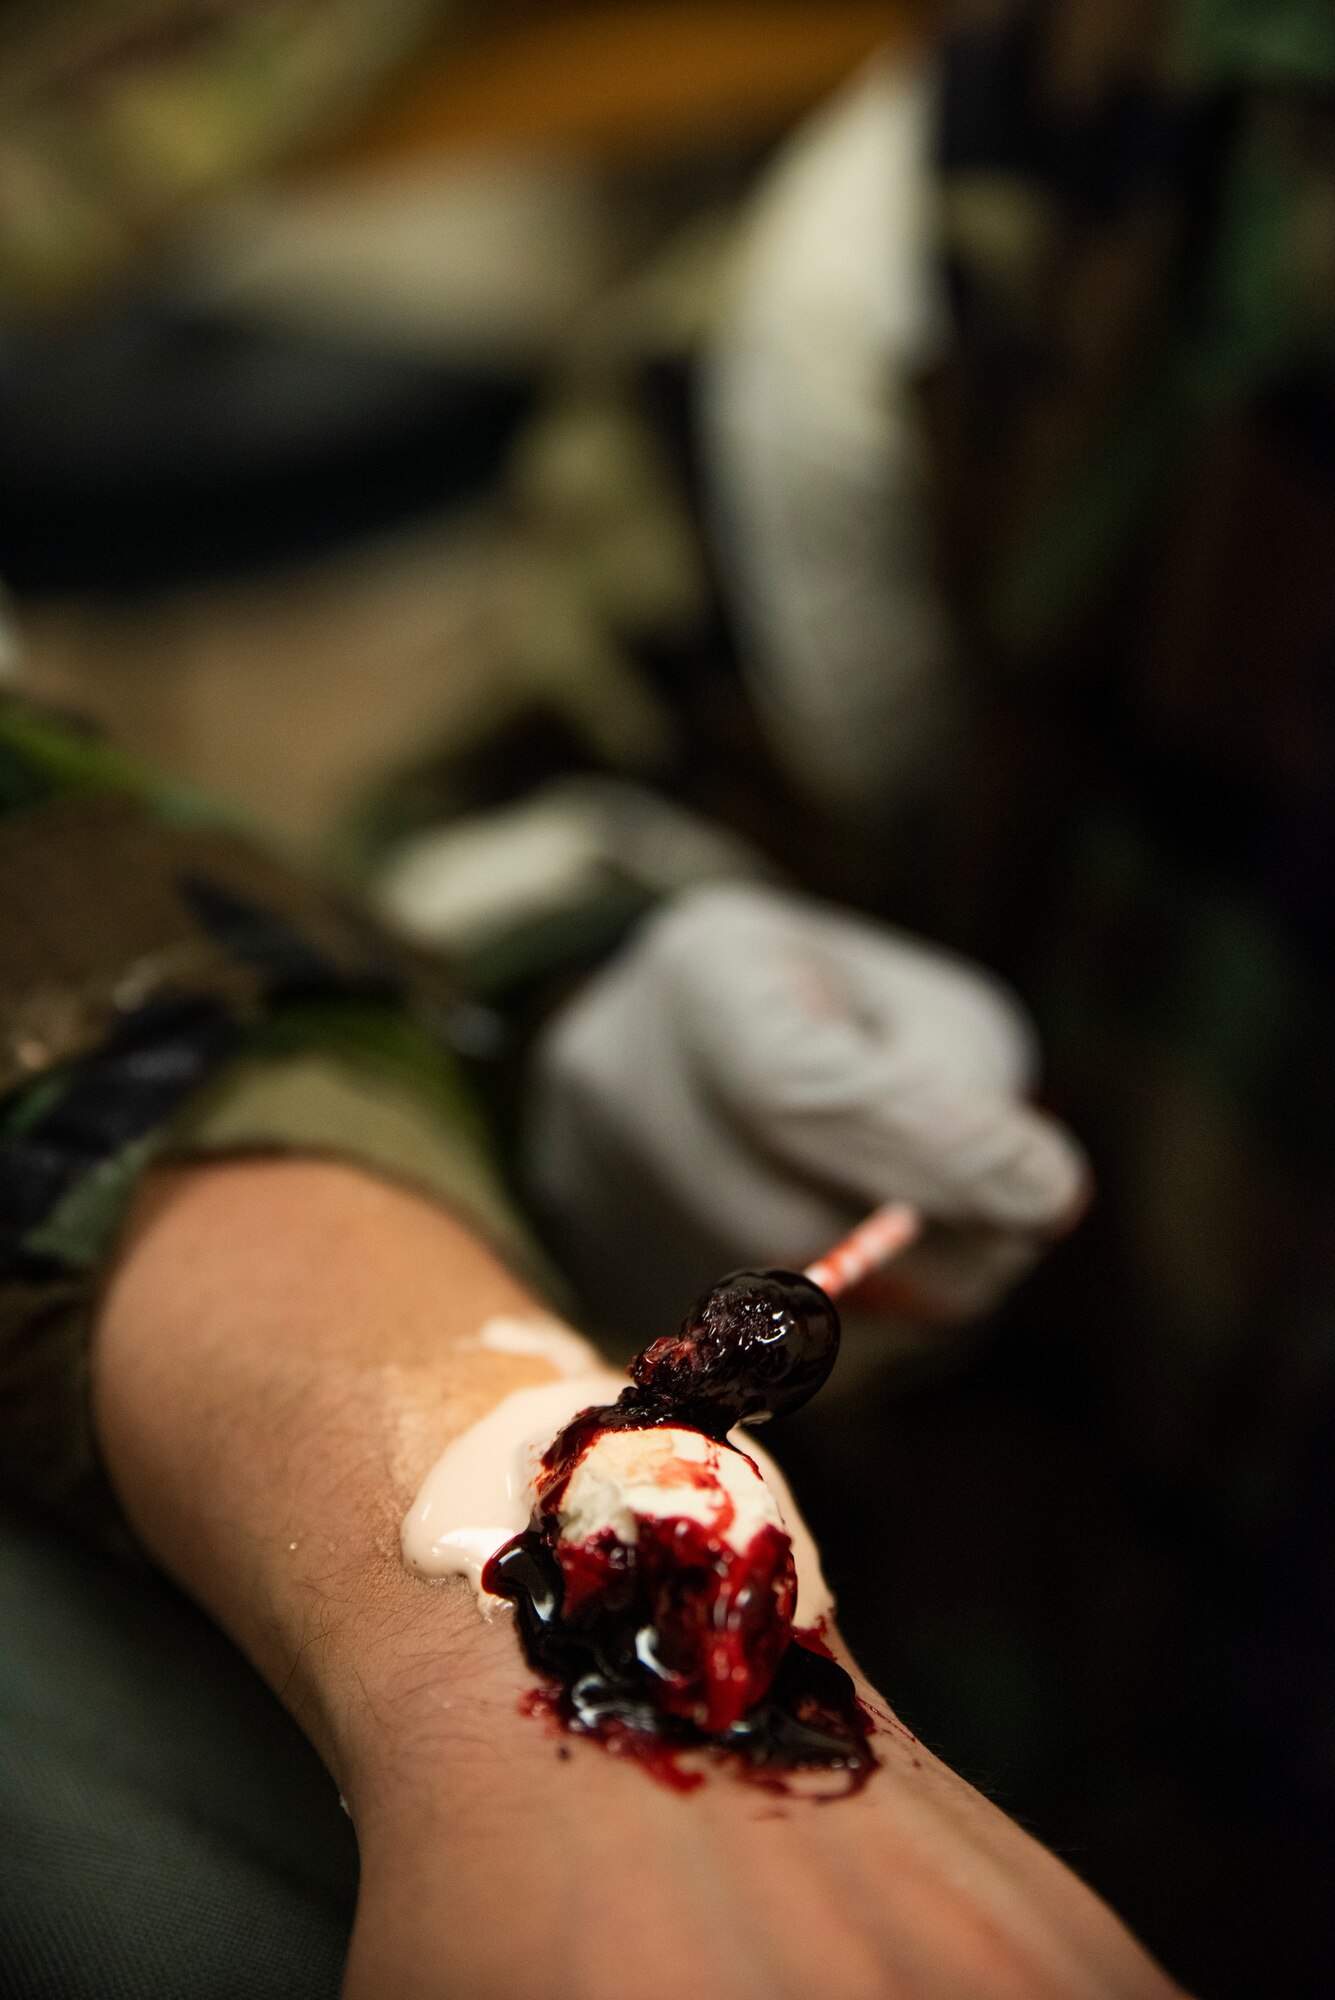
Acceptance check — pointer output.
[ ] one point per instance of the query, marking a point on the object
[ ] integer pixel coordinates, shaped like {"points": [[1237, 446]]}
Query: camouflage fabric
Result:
{"points": [[1137, 469], [1110, 1543], [167, 989], [116, 116]]}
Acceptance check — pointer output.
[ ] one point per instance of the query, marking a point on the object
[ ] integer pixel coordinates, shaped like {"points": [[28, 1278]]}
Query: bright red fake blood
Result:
{"points": [[679, 1643], [710, 1623]]}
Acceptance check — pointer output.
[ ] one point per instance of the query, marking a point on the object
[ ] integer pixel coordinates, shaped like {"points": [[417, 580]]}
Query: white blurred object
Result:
{"points": [[813, 451], [487, 258], [754, 1072], [462, 885]]}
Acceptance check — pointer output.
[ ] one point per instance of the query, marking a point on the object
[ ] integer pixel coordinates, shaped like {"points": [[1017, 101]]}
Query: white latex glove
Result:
{"points": [[754, 1073]]}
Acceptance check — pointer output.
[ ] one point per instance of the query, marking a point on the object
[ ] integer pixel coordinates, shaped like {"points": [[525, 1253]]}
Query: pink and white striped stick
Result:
{"points": [[874, 1242]]}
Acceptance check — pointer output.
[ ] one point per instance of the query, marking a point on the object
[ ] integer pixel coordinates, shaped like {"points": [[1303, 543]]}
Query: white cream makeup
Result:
{"points": [[479, 1493], [545, 1338], [626, 1477]]}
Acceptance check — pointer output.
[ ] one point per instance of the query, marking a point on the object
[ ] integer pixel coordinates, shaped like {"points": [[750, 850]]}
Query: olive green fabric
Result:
{"points": [[167, 987], [320, 1103], [166, 1831], [95, 923]]}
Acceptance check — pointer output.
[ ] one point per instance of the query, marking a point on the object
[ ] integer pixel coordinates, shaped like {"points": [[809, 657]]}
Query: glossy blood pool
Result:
{"points": [[759, 1345], [655, 1582]]}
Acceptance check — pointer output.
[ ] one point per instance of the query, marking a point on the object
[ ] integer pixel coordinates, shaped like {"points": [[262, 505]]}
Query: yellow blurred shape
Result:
{"points": [[628, 80]]}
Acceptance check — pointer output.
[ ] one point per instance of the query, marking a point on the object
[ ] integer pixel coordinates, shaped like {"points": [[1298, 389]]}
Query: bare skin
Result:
{"points": [[283, 1349]]}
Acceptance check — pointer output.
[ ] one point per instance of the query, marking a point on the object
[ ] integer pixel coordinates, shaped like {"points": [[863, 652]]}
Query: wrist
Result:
{"points": [[419, 1704], [284, 1348]]}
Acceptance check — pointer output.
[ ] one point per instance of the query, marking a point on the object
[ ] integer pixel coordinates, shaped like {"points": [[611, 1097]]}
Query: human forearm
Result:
{"points": [[283, 1349]]}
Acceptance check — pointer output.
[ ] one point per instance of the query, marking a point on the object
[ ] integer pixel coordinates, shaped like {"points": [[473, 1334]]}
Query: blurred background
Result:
{"points": [[319, 442], [376, 429]]}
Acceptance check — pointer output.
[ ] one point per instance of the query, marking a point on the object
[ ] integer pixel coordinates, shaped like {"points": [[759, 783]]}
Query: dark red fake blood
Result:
{"points": [[679, 1642], [661, 1759], [707, 1624], [758, 1345]]}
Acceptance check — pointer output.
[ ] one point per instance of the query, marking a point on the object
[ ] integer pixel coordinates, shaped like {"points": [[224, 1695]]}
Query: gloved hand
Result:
{"points": [[754, 1073]]}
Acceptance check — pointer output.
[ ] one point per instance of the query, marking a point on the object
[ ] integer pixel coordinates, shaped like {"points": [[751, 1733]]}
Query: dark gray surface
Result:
{"points": [[164, 1827]]}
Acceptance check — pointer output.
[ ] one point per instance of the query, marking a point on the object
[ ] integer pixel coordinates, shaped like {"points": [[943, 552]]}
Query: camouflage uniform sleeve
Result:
{"points": [[168, 990]]}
